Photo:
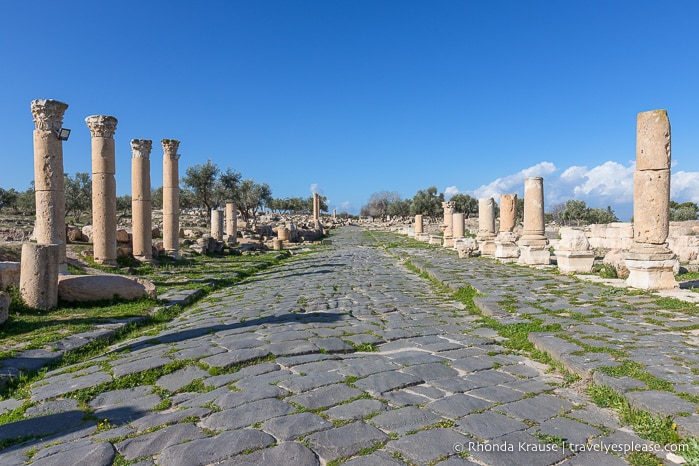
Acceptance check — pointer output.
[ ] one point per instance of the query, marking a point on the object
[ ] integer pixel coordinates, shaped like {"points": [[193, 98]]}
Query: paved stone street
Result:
{"points": [[347, 356]]}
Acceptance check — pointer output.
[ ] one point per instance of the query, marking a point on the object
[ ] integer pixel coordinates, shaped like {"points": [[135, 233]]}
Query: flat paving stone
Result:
{"points": [[377, 384], [180, 378], [247, 414], [517, 448], [214, 449], [489, 425], [290, 427], [97, 454], [404, 420], [428, 446], [345, 441], [357, 409], [325, 397], [659, 402], [458, 405], [153, 443], [290, 453], [537, 409]]}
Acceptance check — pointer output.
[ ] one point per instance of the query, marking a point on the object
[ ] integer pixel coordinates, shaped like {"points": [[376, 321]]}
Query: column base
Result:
{"points": [[448, 242], [487, 247], [651, 267], [506, 248], [575, 261], [534, 255], [424, 237]]}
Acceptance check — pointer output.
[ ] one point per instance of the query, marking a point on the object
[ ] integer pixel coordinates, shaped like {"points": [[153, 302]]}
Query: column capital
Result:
{"points": [[170, 147], [48, 114], [101, 126], [141, 148]]}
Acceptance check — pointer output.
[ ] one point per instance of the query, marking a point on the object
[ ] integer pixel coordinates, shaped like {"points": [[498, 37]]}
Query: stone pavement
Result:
{"points": [[346, 356]]}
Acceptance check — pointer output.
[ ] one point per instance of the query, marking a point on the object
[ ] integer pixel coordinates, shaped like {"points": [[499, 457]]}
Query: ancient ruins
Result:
{"points": [[141, 205]]}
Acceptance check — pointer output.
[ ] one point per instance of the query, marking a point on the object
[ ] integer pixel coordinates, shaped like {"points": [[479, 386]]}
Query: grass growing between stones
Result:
{"points": [[635, 370], [658, 429]]}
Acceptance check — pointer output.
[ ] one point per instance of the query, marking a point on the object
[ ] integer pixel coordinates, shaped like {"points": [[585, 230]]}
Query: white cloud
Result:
{"points": [[347, 205], [450, 191], [513, 183], [684, 186], [315, 188]]}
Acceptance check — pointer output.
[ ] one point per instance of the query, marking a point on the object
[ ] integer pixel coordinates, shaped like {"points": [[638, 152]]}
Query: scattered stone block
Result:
{"points": [[85, 288]]}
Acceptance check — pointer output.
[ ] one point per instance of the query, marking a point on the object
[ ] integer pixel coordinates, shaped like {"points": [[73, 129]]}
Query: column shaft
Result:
{"points": [[141, 202], [171, 197]]}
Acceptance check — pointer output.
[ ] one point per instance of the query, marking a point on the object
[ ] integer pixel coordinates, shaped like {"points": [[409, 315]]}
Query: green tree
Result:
{"points": [[574, 211], [378, 204], [399, 208], [519, 210], [684, 211], [251, 197], [26, 201], [123, 205], [427, 202], [599, 215], [200, 181], [8, 198], [465, 204], [78, 195], [156, 198], [226, 186]]}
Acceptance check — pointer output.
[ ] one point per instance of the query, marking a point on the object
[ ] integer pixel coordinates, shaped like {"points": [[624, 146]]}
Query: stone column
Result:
{"points": [[171, 198], [506, 242], [217, 224], [533, 245], [334, 214], [49, 190], [104, 243], [486, 226], [458, 226], [231, 223], [419, 225], [649, 260], [141, 205], [38, 281], [448, 225]]}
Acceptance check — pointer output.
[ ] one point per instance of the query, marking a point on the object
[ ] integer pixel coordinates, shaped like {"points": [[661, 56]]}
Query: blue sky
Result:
{"points": [[354, 97]]}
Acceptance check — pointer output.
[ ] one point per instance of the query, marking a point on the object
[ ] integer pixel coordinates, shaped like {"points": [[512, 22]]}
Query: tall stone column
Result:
{"points": [[506, 242], [486, 226], [104, 243], [49, 190], [649, 260], [217, 224], [448, 225], [231, 223], [171, 197], [533, 245], [141, 202]]}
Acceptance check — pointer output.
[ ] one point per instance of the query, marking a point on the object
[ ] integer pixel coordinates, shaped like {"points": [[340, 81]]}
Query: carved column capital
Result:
{"points": [[101, 126], [48, 114], [140, 148], [170, 147]]}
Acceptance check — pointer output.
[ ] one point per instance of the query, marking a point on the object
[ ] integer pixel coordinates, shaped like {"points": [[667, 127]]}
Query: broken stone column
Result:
{"points": [[334, 214], [231, 223], [506, 241], [102, 128], [141, 202], [458, 226], [38, 281], [533, 245], [171, 198], [448, 225], [419, 226], [217, 224], [486, 226], [573, 252], [49, 190], [650, 261]]}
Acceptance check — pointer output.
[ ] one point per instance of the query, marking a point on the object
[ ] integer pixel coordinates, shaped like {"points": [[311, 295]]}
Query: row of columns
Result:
{"points": [[39, 286], [650, 261]]}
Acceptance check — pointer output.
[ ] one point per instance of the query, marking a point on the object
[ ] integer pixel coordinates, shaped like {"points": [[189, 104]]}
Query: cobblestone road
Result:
{"points": [[342, 356]]}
